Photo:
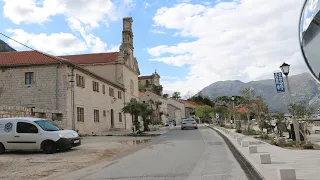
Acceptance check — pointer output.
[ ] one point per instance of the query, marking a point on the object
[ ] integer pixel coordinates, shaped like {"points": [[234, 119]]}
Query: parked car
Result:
{"points": [[189, 123], [24, 133]]}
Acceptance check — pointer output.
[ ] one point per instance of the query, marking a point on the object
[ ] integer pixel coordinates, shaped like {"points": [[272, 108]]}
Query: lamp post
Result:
{"points": [[234, 119], [285, 70]]}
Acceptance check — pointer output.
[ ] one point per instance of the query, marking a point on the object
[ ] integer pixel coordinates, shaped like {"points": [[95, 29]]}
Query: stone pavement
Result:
{"points": [[305, 162]]}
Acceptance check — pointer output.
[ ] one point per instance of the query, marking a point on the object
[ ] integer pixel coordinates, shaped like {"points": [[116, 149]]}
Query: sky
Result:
{"points": [[190, 43]]}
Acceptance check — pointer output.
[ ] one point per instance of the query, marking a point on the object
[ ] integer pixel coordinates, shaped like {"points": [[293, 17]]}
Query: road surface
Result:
{"points": [[177, 155]]}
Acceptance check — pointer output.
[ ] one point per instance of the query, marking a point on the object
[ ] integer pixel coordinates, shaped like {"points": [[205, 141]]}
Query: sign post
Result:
{"points": [[278, 79]]}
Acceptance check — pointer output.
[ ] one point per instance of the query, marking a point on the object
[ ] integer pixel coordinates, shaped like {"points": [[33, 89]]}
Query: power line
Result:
{"points": [[45, 54], [17, 41]]}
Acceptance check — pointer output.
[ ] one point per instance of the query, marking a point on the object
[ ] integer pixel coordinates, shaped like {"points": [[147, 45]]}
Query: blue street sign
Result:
{"points": [[278, 79]]}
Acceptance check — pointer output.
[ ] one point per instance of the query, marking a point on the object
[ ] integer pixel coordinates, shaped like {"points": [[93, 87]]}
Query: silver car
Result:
{"points": [[189, 123]]}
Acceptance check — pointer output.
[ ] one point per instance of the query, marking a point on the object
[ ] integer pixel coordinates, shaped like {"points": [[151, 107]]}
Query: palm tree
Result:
{"points": [[134, 108], [146, 113]]}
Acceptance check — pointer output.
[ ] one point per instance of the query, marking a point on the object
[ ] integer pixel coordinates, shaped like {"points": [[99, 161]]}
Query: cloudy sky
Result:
{"points": [[191, 43]]}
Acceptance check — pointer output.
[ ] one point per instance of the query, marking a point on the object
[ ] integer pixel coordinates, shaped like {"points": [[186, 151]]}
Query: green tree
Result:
{"points": [[303, 114], [203, 112], [176, 95], [157, 89], [146, 114], [134, 108], [165, 95], [248, 95], [142, 88]]}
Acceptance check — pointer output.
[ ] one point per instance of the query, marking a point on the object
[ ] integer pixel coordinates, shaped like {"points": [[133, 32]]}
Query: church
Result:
{"points": [[84, 92]]}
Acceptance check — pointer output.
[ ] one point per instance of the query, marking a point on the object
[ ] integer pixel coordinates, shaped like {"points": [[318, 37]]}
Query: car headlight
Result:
{"points": [[62, 135], [75, 134]]}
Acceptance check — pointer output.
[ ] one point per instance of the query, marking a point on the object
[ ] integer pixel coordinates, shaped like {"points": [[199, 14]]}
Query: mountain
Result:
{"points": [[4, 47], [303, 88]]}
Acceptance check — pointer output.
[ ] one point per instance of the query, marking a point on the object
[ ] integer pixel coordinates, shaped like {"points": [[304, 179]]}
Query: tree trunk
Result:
{"points": [[136, 123], [145, 124]]}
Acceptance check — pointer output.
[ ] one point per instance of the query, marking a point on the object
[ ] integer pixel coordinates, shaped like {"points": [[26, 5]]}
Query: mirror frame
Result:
{"points": [[301, 47]]}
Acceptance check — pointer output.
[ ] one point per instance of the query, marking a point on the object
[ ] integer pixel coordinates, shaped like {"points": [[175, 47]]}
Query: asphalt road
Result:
{"points": [[177, 155]]}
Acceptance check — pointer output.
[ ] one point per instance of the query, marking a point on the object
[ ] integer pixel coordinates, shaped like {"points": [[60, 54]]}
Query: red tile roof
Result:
{"points": [[173, 106], [190, 102], [242, 110], [92, 58], [26, 57], [145, 77], [36, 57]]}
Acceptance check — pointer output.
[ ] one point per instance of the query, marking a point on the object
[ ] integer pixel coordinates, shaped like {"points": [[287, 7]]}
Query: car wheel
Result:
{"points": [[182, 128], [2, 149], [49, 147], [196, 128]]}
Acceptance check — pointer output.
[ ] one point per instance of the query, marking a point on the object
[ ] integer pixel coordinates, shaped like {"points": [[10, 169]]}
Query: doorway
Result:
{"points": [[112, 118]]}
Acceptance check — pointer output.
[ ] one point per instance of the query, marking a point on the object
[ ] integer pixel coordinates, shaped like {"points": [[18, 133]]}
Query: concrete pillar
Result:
{"points": [[265, 158], [253, 149], [286, 174]]}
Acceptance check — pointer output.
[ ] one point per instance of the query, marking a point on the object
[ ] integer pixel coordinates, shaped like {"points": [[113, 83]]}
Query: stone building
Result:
{"points": [[176, 110], [151, 83], [148, 96], [86, 92]]}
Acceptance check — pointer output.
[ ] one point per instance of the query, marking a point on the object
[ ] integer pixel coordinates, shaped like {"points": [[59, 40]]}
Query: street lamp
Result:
{"points": [[232, 98], [285, 70]]}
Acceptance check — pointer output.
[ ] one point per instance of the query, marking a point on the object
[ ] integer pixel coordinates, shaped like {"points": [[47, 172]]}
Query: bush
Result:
{"points": [[273, 142], [251, 132], [264, 136], [308, 146]]}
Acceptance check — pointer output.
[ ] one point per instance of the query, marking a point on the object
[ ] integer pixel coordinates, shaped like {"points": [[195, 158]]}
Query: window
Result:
{"points": [[120, 117], [47, 126], [80, 114], [80, 81], [119, 94], [95, 86], [29, 78], [147, 83], [104, 113], [56, 117], [96, 115], [111, 92], [103, 89], [23, 127]]}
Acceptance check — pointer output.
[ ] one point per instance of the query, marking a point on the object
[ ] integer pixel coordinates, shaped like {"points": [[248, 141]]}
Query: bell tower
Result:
{"points": [[126, 48]]}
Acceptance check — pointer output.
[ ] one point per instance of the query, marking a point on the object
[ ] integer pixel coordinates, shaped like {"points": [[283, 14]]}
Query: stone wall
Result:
{"points": [[14, 111]]}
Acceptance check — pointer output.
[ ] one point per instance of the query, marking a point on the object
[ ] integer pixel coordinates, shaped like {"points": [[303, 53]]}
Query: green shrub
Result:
{"points": [[273, 142], [308, 146], [264, 136], [251, 132]]}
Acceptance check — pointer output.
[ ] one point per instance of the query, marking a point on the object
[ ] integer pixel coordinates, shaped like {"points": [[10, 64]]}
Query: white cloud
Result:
{"points": [[155, 31], [57, 43], [113, 48], [183, 1], [244, 40], [88, 12], [146, 5], [82, 16]]}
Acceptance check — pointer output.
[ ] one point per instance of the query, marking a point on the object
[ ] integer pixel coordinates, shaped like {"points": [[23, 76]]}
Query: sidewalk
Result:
{"points": [[305, 162]]}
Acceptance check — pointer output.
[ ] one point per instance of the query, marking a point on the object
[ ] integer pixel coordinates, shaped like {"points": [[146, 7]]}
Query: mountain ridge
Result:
{"points": [[303, 88]]}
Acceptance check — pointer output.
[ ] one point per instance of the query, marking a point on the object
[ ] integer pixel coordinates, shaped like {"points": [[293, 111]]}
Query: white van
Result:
{"points": [[26, 133]]}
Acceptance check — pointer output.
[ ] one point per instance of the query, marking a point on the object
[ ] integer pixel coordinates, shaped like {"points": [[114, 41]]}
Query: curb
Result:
{"points": [[249, 169]]}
